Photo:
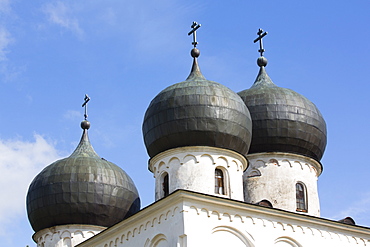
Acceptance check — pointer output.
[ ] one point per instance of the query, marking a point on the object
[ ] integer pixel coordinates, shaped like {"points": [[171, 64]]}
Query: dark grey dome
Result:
{"points": [[283, 120], [197, 112], [81, 189]]}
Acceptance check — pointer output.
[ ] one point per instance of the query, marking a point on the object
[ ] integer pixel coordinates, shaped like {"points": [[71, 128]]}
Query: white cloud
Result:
{"points": [[60, 14], [5, 36], [20, 161], [5, 40], [109, 16], [7, 72], [4, 6], [73, 115]]}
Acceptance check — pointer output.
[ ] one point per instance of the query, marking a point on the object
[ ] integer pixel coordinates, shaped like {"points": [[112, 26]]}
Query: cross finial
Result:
{"points": [[194, 27], [260, 34], [86, 99]]}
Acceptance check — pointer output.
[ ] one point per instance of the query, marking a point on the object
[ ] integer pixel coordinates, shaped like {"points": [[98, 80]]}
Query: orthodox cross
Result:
{"points": [[86, 99], [261, 34], [194, 27]]}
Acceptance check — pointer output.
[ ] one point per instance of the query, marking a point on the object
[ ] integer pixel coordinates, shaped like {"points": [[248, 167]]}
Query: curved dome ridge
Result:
{"points": [[197, 112], [81, 189], [263, 80], [84, 148], [195, 73], [283, 120]]}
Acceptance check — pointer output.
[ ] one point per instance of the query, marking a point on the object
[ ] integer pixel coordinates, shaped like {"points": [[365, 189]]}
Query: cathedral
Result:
{"points": [[230, 169]]}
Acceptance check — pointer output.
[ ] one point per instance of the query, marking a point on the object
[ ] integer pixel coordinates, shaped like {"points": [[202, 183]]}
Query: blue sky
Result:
{"points": [[122, 53]]}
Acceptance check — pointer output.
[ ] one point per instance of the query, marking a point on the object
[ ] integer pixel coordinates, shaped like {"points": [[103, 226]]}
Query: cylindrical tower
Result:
{"points": [[288, 141], [197, 133]]}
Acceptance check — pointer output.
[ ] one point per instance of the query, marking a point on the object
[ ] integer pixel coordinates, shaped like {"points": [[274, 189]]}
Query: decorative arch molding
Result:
{"points": [[363, 241], [49, 237], [248, 242], [67, 241], [290, 228], [147, 225], [223, 161], [204, 156], [168, 215], [274, 162], [301, 229], [157, 239], [122, 238], [287, 240], [128, 235], [259, 163], [161, 218], [299, 164], [78, 232], [254, 172], [173, 160], [281, 225], [287, 160], [132, 232], [195, 209], [239, 218], [141, 229], [147, 242], [155, 221], [205, 211], [188, 158], [181, 163], [249, 219], [161, 165], [237, 164], [111, 244], [179, 156], [216, 214], [66, 234], [227, 216]]}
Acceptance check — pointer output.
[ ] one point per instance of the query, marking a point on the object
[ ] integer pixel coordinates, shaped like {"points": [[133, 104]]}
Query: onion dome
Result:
{"points": [[197, 112], [81, 189], [283, 120]]}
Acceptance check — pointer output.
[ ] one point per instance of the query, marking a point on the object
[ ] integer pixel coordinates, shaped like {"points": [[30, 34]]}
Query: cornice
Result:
{"points": [[316, 164], [200, 149], [270, 212]]}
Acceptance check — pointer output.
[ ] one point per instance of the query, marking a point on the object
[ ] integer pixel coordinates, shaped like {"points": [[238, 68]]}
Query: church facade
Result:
{"points": [[237, 169]]}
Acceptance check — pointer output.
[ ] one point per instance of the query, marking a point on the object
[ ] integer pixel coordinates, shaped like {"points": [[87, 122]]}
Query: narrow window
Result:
{"points": [[165, 186], [301, 197], [219, 182]]}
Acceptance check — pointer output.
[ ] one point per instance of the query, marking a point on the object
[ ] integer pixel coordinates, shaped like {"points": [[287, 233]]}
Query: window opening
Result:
{"points": [[219, 182], [165, 185], [301, 197]]}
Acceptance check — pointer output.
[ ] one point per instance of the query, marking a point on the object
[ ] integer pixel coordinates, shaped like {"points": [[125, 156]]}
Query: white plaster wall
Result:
{"points": [[65, 235], [193, 220], [273, 176], [193, 168], [162, 227], [222, 226]]}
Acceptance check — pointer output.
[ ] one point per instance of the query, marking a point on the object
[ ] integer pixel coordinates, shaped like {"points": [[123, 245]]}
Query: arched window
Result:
{"points": [[165, 186], [301, 197], [219, 182]]}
